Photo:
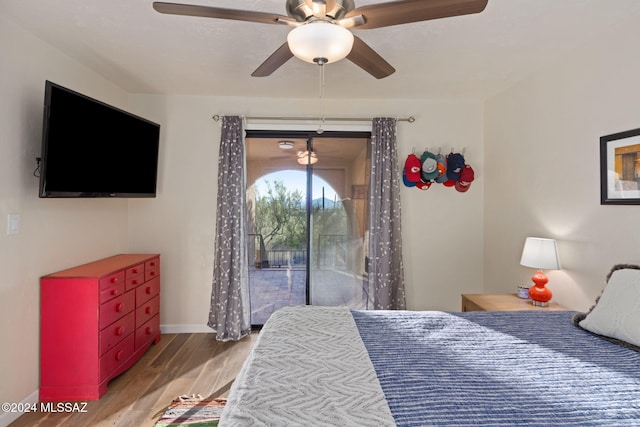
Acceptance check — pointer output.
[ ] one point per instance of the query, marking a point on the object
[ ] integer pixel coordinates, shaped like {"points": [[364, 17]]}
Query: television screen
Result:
{"points": [[91, 149]]}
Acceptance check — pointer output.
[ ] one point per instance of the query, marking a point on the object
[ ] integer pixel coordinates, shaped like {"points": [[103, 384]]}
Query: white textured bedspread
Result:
{"points": [[308, 368]]}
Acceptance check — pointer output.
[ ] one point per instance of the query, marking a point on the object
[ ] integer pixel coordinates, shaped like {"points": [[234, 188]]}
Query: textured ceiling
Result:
{"points": [[467, 57]]}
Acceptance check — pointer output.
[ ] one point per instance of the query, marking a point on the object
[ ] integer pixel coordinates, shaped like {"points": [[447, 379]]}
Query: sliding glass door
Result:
{"points": [[308, 215], [338, 222]]}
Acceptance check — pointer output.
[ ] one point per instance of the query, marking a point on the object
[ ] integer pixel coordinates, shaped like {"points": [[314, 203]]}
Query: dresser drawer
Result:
{"points": [[134, 281], [151, 269], [116, 332], [116, 308], [148, 331], [147, 291], [106, 284], [134, 276], [147, 310], [116, 357], [112, 291]]}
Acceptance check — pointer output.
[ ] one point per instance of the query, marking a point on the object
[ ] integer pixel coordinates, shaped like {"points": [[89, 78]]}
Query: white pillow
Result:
{"points": [[617, 312]]}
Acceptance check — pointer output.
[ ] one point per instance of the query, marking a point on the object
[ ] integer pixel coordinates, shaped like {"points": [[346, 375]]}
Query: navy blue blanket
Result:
{"points": [[527, 368]]}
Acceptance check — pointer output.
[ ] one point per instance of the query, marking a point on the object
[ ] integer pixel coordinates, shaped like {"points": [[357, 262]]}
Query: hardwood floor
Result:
{"points": [[179, 364]]}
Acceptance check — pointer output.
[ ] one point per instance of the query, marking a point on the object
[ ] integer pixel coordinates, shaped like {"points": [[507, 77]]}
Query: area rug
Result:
{"points": [[192, 411]]}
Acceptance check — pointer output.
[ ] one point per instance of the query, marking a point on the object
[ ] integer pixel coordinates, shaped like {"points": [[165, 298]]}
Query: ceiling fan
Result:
{"points": [[330, 150], [317, 22], [295, 150]]}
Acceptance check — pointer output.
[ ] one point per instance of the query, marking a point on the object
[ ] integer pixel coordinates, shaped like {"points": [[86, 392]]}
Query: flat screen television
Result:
{"points": [[91, 149]]}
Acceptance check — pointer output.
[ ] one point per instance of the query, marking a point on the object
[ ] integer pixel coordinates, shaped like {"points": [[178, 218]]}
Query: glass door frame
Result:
{"points": [[309, 136]]}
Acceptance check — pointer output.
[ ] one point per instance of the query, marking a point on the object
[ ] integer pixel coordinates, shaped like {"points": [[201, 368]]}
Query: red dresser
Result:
{"points": [[96, 320]]}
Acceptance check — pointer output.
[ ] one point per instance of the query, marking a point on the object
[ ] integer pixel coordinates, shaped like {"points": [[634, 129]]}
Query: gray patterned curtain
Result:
{"points": [[230, 313], [386, 273]]}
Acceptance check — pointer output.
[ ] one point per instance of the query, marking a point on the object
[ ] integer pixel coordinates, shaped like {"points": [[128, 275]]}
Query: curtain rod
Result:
{"points": [[409, 119]]}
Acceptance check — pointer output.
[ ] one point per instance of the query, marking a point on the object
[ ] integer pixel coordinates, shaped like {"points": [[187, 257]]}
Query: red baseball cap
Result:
{"points": [[412, 168], [466, 178], [423, 185]]}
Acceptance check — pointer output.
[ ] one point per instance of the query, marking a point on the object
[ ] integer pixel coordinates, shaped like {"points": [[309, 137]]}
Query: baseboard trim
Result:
{"points": [[186, 329], [7, 418]]}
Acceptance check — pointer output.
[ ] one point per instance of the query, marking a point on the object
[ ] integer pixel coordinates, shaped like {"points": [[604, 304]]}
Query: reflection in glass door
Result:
{"points": [[307, 218], [338, 223]]}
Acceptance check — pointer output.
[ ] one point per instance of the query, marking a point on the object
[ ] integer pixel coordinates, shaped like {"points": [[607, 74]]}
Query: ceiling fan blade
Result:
{"points": [[406, 11], [367, 59], [275, 61], [289, 157], [221, 13]]}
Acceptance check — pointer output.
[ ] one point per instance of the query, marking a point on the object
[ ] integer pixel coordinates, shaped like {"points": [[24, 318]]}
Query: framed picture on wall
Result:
{"points": [[620, 168]]}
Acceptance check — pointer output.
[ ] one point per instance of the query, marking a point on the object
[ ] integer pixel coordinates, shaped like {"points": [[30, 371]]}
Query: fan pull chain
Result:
{"points": [[320, 128]]}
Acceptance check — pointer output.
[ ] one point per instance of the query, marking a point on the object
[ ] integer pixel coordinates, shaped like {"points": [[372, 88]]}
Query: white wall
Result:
{"points": [[55, 233], [542, 168], [442, 228]]}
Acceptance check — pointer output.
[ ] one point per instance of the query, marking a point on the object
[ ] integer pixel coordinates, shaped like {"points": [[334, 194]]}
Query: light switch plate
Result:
{"points": [[13, 224]]}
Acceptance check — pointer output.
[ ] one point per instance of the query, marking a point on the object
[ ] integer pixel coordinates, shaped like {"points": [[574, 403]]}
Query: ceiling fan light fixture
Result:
{"points": [[285, 145], [306, 157], [320, 42]]}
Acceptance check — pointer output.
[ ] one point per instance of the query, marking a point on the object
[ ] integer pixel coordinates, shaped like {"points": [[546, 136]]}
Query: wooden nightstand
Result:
{"points": [[502, 302]]}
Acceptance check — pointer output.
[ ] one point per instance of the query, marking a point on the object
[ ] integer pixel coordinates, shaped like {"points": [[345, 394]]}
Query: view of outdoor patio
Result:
{"points": [[278, 253], [280, 284], [307, 241]]}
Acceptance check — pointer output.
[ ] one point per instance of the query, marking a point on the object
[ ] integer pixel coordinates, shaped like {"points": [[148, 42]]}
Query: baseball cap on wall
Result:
{"points": [[442, 168], [412, 168], [429, 166], [406, 182], [423, 185], [455, 163], [466, 178]]}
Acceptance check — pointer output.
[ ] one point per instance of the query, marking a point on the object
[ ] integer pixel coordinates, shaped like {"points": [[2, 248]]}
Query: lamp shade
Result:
{"points": [[540, 253], [320, 40]]}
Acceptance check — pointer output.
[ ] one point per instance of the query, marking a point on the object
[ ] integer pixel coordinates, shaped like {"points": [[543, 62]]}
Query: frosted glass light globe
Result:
{"points": [[320, 40]]}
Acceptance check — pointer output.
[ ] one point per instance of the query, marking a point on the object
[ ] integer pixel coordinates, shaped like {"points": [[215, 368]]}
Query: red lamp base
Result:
{"points": [[540, 295]]}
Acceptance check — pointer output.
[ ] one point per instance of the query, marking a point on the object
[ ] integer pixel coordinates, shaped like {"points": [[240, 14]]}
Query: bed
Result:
{"points": [[332, 366]]}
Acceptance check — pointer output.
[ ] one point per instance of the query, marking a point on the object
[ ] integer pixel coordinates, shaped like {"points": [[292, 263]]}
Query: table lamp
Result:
{"points": [[541, 254]]}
